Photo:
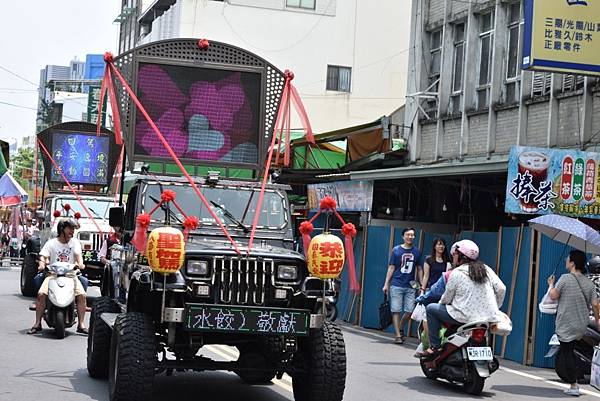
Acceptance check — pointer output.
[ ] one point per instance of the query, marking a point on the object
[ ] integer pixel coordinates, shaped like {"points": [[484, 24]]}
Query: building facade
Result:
{"points": [[349, 58], [468, 97]]}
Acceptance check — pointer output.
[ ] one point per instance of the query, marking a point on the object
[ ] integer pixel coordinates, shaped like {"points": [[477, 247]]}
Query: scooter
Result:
{"points": [[584, 352], [61, 312], [466, 358]]}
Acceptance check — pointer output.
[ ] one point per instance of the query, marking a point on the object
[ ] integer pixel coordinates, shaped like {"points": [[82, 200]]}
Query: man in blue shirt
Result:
{"points": [[399, 280]]}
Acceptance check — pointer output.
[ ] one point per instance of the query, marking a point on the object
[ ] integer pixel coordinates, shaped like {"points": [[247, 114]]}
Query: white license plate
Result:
{"points": [[479, 353]]}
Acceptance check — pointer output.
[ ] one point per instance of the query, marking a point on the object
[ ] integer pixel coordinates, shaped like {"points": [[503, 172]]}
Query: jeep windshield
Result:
{"points": [[98, 207], [240, 202]]}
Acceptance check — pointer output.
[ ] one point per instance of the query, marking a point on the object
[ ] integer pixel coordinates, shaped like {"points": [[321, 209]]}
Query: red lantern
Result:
{"points": [[165, 250], [326, 256]]}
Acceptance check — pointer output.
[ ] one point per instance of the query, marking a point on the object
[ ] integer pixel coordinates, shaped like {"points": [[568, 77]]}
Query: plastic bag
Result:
{"points": [[419, 313], [502, 327], [385, 314], [548, 305]]}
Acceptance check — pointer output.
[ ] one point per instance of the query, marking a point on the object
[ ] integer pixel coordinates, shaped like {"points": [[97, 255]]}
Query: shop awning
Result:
{"points": [[471, 167]]}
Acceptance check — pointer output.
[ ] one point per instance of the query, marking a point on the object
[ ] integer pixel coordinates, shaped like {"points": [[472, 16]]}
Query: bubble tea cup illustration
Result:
{"points": [[536, 163]]}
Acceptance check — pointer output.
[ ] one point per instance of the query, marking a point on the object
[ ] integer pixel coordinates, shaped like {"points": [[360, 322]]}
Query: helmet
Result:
{"points": [[593, 265], [466, 247], [64, 223]]}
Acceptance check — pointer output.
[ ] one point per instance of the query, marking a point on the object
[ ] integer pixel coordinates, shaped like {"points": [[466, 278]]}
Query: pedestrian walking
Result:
{"points": [[575, 294], [400, 282]]}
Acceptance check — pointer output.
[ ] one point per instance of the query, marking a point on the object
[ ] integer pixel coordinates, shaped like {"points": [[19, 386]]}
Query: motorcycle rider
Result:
{"points": [[574, 293], [63, 248], [473, 294]]}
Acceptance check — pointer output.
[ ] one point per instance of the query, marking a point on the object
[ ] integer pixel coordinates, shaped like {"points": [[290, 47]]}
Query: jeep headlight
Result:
{"points": [[287, 272], [84, 236], [197, 267]]}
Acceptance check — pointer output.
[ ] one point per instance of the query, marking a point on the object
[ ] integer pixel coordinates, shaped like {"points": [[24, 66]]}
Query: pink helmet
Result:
{"points": [[467, 248]]}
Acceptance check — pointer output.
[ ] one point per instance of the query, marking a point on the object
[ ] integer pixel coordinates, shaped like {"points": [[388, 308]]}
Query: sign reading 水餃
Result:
{"points": [[562, 36], [558, 181]]}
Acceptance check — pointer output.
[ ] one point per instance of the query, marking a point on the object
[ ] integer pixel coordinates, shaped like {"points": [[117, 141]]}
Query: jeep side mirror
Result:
{"points": [[116, 216]]}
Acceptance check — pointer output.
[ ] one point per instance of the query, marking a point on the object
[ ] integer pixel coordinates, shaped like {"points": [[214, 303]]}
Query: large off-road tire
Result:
{"points": [[28, 272], [323, 362], [132, 358], [59, 323], [474, 384], [98, 346]]}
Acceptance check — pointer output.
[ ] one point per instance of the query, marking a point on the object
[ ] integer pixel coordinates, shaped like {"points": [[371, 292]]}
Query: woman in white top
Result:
{"points": [[473, 293]]}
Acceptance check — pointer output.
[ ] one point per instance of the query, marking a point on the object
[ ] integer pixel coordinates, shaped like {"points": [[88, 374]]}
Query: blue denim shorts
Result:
{"points": [[402, 299]]}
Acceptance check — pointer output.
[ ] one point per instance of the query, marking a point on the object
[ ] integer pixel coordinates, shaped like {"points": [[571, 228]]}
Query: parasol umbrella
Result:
{"points": [[11, 193], [569, 231]]}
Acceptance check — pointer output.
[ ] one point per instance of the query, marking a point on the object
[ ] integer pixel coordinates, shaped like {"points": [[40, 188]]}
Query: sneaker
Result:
{"points": [[573, 391], [398, 340]]}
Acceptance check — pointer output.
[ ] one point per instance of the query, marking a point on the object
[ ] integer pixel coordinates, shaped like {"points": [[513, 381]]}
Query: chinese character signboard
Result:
{"points": [[82, 158], [562, 36], [92, 106], [351, 196], [559, 181]]}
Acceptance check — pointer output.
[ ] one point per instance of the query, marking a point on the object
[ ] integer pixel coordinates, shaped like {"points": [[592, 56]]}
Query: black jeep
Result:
{"points": [[263, 303]]}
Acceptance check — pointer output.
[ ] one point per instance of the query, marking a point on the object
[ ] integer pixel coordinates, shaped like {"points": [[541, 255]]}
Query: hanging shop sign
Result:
{"points": [[92, 106], [559, 181], [351, 196], [562, 36]]}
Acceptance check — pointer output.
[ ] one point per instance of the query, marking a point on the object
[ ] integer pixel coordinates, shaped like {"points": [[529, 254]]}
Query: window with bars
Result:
{"points": [[540, 85], [307, 4], [486, 43], [571, 83], [435, 58], [338, 78], [459, 57], [513, 73]]}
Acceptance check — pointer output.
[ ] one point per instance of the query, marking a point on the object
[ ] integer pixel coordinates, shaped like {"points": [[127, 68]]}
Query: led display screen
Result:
{"points": [[83, 158], [204, 114]]}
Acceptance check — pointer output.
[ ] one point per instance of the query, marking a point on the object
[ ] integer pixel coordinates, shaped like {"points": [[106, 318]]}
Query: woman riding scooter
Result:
{"points": [[473, 293]]}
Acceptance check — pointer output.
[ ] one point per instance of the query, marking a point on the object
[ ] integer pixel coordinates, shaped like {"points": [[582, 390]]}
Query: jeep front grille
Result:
{"points": [[242, 281], [97, 240]]}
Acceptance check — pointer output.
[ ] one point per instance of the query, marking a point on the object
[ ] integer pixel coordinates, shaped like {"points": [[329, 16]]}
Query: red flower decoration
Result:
{"points": [[108, 57], [306, 227], [349, 229], [56, 213], [289, 75], [67, 207], [203, 44], [77, 215], [143, 220], [190, 223], [168, 195], [328, 203]]}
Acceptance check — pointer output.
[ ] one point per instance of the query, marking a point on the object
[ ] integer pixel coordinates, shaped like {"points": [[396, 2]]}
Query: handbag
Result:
{"points": [[548, 306], [385, 314]]}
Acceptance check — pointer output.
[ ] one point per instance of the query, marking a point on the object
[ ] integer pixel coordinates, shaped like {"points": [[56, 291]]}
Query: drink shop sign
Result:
{"points": [[558, 181]]}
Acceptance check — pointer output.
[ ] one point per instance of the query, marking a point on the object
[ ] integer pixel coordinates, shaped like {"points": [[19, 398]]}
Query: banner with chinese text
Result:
{"points": [[351, 196], [559, 181], [562, 36]]}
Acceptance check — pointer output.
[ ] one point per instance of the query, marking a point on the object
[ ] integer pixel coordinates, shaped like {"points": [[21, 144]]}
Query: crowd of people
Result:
{"points": [[456, 288]]}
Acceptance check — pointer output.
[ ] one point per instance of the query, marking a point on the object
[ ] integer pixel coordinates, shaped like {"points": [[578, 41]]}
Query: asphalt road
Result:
{"points": [[41, 367]]}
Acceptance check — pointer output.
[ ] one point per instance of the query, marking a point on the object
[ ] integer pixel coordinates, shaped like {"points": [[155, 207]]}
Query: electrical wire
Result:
{"points": [[18, 76]]}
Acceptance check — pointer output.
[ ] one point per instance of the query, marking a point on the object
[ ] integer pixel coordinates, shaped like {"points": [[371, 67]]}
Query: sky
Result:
{"points": [[36, 33]]}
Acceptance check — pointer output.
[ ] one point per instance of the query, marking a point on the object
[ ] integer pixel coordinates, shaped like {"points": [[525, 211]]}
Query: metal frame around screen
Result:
{"points": [[187, 53]]}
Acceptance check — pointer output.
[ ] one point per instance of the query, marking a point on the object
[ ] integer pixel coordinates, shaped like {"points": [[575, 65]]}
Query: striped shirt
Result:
{"points": [[573, 312]]}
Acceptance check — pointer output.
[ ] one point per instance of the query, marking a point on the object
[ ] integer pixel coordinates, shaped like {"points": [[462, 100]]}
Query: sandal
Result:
{"points": [[82, 330], [34, 330], [398, 340]]}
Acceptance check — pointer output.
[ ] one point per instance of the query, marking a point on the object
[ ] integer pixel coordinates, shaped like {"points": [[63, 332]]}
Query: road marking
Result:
{"points": [[538, 378], [232, 355]]}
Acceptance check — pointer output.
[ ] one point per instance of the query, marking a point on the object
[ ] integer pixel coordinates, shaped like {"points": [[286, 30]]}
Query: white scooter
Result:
{"points": [[61, 312]]}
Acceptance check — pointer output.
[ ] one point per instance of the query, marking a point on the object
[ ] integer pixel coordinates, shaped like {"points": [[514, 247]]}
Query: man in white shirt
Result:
{"points": [[63, 248]]}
